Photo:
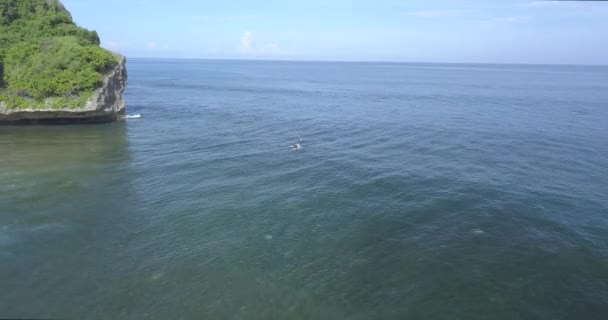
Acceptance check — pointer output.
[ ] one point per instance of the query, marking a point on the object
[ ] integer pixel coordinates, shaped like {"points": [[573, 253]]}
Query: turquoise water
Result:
{"points": [[421, 191]]}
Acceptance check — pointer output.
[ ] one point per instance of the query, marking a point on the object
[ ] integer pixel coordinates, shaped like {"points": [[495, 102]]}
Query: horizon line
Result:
{"points": [[370, 61]]}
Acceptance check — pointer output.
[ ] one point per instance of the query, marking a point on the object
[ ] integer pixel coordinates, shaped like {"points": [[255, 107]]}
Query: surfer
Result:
{"points": [[297, 145]]}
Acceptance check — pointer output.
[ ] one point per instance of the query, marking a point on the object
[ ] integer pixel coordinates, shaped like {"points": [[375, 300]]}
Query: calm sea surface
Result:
{"points": [[422, 191]]}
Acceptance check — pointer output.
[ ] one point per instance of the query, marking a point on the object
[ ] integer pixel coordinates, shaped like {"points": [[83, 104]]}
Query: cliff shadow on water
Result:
{"points": [[62, 195], [34, 148]]}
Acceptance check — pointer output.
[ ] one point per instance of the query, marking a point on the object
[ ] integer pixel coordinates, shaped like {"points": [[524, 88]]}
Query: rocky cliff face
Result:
{"points": [[105, 105]]}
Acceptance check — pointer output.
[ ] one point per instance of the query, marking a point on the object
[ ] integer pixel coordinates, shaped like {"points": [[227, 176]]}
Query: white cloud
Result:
{"points": [[249, 46], [155, 46], [433, 14], [246, 42], [270, 49]]}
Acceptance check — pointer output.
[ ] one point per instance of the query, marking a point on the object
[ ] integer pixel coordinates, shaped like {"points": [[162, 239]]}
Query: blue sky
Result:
{"points": [[509, 31]]}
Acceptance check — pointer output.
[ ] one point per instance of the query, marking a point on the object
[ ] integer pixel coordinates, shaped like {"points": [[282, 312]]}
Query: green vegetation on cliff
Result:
{"points": [[45, 58]]}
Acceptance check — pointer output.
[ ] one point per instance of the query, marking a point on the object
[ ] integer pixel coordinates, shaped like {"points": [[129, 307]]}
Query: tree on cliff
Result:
{"points": [[43, 53]]}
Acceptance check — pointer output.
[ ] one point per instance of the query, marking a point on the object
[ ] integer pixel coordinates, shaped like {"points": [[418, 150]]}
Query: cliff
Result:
{"points": [[54, 71], [105, 105]]}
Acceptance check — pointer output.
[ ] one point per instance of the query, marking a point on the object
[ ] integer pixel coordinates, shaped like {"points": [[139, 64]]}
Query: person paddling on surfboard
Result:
{"points": [[297, 145]]}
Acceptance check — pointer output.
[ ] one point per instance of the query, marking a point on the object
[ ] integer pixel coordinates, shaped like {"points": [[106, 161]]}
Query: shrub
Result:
{"points": [[57, 66], [44, 54]]}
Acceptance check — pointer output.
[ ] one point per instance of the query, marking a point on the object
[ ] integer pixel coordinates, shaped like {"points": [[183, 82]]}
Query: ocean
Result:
{"points": [[420, 191]]}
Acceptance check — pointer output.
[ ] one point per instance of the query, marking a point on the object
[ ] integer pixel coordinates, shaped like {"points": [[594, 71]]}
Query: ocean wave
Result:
{"points": [[133, 116]]}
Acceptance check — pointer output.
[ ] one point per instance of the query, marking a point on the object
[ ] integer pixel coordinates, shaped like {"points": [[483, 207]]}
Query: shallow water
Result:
{"points": [[421, 191]]}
